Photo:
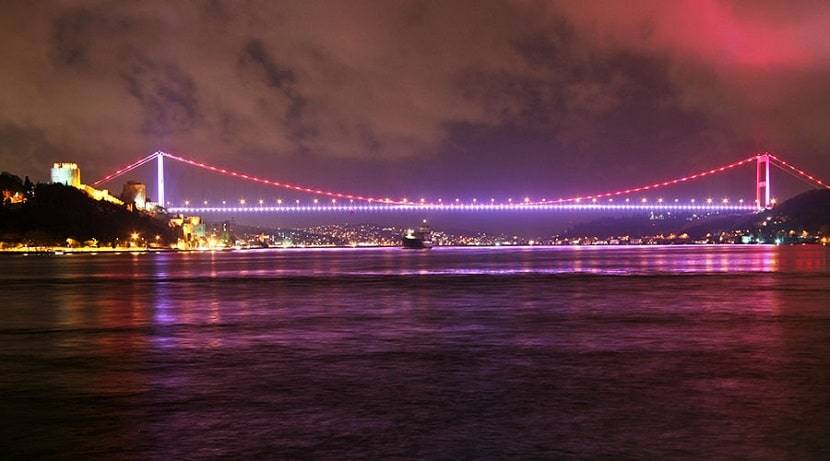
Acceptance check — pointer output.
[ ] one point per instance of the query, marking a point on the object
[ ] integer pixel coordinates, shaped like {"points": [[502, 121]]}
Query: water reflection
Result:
{"points": [[462, 353]]}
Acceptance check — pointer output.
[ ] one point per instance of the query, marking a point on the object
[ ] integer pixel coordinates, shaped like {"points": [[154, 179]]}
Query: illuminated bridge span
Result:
{"points": [[618, 200], [465, 207]]}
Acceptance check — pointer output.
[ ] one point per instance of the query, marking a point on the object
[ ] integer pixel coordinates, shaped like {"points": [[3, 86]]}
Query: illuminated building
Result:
{"points": [[69, 174], [100, 194], [191, 231], [11, 198], [135, 193], [66, 173]]}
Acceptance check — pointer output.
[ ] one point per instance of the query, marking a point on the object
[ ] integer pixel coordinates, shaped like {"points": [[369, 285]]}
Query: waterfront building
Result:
{"points": [[190, 230]]}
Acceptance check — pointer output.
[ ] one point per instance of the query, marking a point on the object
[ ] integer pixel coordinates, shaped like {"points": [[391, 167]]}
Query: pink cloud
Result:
{"points": [[717, 33]]}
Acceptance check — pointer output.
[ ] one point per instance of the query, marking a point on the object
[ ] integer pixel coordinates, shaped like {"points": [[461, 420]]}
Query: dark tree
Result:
{"points": [[28, 188], [10, 182]]}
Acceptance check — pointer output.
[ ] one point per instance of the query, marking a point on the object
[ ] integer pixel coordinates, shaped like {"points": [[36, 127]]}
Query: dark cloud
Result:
{"points": [[72, 36], [414, 88], [22, 147], [166, 95], [257, 61]]}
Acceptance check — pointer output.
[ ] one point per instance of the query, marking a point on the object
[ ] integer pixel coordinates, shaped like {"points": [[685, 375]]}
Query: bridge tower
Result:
{"points": [[160, 178], [762, 199]]}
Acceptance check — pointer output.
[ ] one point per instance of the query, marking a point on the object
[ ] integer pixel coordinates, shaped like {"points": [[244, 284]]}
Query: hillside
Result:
{"points": [[55, 212], [808, 212]]}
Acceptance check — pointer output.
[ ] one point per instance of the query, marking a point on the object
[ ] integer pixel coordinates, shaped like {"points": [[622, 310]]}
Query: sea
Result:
{"points": [[646, 352]]}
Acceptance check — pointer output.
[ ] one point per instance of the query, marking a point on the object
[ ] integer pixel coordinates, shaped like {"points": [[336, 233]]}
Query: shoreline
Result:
{"points": [[60, 251]]}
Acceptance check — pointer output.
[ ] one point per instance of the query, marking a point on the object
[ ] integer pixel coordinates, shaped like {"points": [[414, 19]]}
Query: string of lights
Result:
{"points": [[798, 171], [125, 169], [654, 186], [656, 206], [280, 184]]}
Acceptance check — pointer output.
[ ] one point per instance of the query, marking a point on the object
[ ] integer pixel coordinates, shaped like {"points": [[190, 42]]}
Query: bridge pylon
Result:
{"points": [[762, 182], [160, 178]]}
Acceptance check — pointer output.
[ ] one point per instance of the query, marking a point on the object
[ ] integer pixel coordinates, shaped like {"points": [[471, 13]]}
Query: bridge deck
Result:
{"points": [[689, 208]]}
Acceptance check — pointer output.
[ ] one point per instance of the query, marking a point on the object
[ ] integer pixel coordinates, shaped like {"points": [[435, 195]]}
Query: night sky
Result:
{"points": [[452, 98]]}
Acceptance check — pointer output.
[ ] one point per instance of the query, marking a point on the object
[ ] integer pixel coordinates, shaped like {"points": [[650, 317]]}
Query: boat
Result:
{"points": [[418, 239]]}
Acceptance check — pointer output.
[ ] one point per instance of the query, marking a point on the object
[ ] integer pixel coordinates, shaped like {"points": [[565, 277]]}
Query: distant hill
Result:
{"points": [[55, 212], [809, 212]]}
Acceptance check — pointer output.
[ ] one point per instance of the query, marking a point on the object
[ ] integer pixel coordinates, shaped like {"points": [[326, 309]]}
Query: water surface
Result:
{"points": [[647, 352]]}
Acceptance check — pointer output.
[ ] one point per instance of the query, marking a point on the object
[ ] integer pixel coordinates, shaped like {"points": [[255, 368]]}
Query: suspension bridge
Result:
{"points": [[338, 201]]}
